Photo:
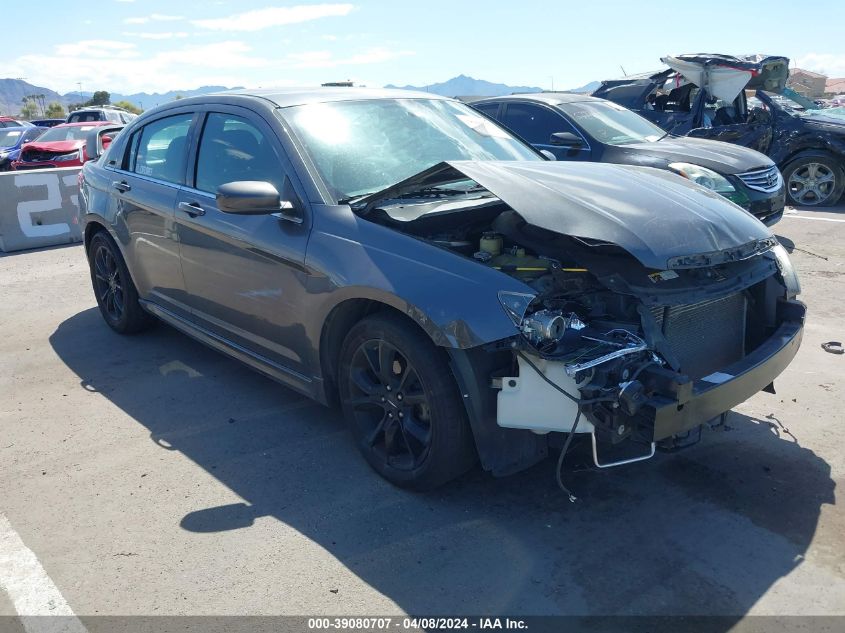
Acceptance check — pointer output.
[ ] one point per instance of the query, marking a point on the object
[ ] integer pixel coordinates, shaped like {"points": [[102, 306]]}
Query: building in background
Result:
{"points": [[806, 82], [835, 87]]}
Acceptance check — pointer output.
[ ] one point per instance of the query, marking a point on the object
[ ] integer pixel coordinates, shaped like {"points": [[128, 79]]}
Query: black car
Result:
{"points": [[579, 127], [47, 122], [460, 296], [807, 145]]}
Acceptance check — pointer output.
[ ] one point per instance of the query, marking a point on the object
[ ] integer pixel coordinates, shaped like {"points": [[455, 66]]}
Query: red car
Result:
{"points": [[60, 146]]}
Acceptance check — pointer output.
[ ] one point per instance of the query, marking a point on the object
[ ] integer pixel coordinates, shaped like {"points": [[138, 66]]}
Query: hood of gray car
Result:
{"points": [[724, 158], [655, 215]]}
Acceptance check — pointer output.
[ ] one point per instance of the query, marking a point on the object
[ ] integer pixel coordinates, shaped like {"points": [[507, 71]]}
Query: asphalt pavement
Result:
{"points": [[149, 475]]}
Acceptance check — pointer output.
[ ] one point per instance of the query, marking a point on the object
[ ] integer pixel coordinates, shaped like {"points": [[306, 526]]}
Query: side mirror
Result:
{"points": [[255, 197], [566, 139], [99, 139], [548, 154]]}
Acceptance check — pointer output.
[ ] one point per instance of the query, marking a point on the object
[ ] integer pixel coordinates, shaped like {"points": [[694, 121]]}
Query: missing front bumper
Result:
{"points": [[685, 405]]}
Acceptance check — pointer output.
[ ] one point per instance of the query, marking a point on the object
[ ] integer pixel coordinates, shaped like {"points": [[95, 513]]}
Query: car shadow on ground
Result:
{"points": [[705, 531]]}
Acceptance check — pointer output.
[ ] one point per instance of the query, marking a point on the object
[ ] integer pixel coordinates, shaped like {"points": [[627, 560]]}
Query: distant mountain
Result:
{"points": [[12, 92], [586, 88], [145, 100], [463, 86]]}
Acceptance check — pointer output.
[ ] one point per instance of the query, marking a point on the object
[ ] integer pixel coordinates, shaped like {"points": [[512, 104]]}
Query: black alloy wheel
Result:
{"points": [[402, 403], [114, 290], [389, 405], [108, 284]]}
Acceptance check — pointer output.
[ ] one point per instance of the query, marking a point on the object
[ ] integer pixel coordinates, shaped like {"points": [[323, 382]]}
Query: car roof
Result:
{"points": [[286, 97], [550, 98], [81, 123], [22, 128]]}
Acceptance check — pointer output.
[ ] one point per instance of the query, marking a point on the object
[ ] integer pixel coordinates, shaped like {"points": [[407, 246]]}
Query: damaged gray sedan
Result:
{"points": [[458, 295]]}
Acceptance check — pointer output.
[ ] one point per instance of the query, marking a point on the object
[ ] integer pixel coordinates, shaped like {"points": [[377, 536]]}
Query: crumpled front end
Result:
{"points": [[669, 351], [647, 306]]}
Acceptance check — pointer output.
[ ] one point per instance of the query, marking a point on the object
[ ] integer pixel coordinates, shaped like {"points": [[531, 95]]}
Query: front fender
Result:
{"points": [[453, 298]]}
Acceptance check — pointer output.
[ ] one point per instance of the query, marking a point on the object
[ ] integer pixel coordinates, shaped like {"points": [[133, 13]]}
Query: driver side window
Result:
{"points": [[233, 149], [534, 123]]}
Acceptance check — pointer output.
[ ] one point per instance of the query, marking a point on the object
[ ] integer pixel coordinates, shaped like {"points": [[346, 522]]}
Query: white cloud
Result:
{"points": [[125, 67], [274, 16], [119, 67], [155, 17], [824, 63], [156, 36], [97, 48]]}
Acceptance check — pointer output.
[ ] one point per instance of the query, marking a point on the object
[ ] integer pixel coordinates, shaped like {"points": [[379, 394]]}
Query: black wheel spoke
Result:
{"points": [[373, 437], [408, 378], [386, 357], [362, 381], [415, 429], [414, 398], [117, 300], [100, 265]]}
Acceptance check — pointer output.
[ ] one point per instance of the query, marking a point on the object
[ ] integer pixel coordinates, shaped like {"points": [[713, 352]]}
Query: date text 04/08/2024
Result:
{"points": [[409, 623]]}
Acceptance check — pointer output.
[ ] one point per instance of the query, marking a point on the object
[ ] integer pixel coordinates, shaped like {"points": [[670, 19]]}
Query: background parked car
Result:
{"points": [[47, 122], [102, 113], [578, 127], [6, 121], [807, 145], [60, 146], [11, 140]]}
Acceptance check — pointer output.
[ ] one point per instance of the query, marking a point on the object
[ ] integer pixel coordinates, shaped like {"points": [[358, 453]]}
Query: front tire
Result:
{"points": [[401, 400], [116, 294], [814, 180]]}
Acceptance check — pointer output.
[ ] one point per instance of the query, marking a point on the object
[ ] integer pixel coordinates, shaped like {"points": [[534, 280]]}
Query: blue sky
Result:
{"points": [[156, 45]]}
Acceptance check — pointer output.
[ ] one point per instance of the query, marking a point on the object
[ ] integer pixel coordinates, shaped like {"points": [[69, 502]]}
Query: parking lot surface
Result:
{"points": [[152, 476]]}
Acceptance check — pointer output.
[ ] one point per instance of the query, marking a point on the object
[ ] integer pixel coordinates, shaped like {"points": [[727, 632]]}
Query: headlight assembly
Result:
{"points": [[703, 176], [790, 277], [67, 157]]}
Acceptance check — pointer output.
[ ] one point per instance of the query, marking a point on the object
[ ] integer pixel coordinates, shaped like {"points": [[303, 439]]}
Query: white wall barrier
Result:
{"points": [[39, 208]]}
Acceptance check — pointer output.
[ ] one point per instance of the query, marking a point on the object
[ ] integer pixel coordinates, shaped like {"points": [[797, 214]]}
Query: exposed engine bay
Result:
{"points": [[599, 334]]}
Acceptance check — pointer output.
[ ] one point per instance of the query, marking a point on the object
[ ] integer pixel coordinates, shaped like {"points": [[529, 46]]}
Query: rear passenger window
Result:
{"points": [[233, 149], [162, 149]]}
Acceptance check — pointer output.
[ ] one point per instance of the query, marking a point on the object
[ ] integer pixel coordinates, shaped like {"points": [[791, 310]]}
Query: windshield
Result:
{"points": [[612, 124], [61, 133], [9, 138], [363, 147], [788, 105]]}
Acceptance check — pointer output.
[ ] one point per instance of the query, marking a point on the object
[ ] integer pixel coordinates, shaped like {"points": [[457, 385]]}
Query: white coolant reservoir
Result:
{"points": [[529, 402]]}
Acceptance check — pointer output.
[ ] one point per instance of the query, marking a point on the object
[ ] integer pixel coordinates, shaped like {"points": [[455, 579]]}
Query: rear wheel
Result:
{"points": [[814, 181], [116, 294], [403, 405]]}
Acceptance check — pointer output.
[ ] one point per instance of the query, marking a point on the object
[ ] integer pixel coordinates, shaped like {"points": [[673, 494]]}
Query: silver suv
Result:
{"points": [[101, 113]]}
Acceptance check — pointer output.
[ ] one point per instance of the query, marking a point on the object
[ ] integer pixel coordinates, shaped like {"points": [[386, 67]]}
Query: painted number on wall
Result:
{"points": [[53, 184]]}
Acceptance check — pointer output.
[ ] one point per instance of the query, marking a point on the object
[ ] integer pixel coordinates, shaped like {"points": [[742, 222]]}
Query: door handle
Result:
{"points": [[122, 186], [193, 209]]}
